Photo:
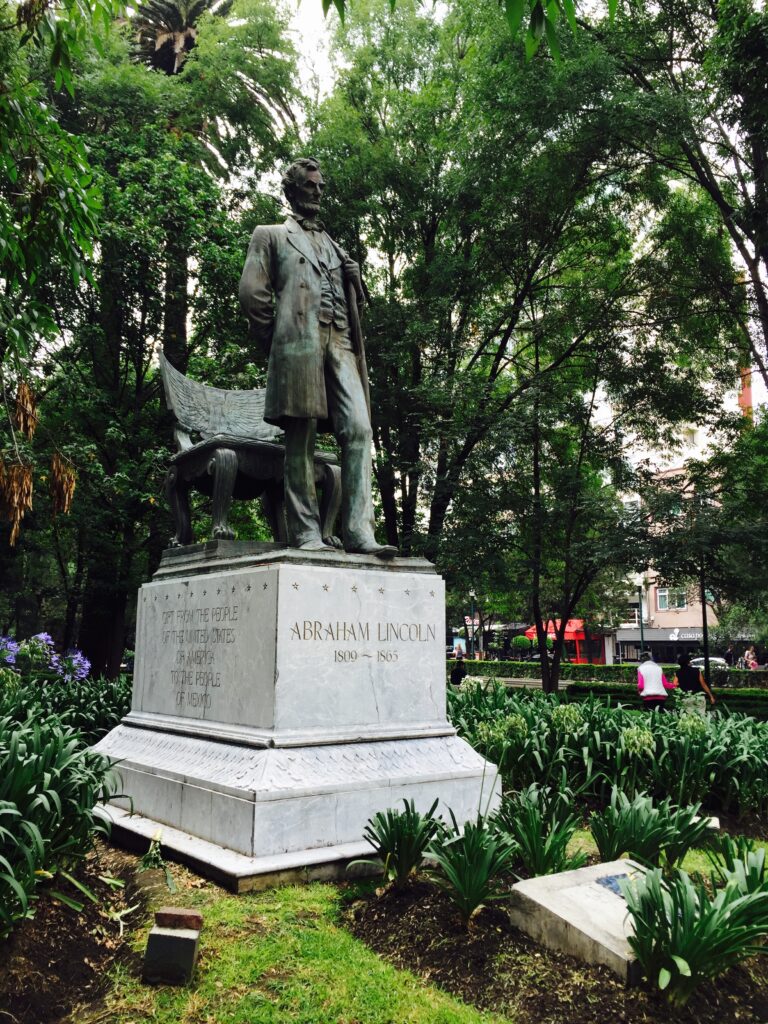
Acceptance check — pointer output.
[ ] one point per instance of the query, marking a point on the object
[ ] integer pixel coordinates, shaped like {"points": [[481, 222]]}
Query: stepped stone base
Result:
{"points": [[282, 700]]}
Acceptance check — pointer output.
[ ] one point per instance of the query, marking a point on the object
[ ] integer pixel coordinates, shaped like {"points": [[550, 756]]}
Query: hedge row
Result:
{"points": [[731, 678], [749, 702]]}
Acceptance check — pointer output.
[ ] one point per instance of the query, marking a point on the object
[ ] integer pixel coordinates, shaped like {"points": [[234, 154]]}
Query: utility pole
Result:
{"points": [[704, 628], [640, 606], [472, 624]]}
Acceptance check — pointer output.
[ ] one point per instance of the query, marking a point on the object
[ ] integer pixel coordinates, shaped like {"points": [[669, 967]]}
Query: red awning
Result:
{"points": [[574, 629]]}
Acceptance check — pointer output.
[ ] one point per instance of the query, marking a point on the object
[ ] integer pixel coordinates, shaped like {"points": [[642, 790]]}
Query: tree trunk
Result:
{"points": [[175, 305], [74, 596], [102, 631]]}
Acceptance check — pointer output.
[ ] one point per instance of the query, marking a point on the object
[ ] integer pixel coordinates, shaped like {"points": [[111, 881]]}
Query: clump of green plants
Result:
{"points": [[477, 702], [689, 829], [400, 839], [650, 832], [682, 935], [471, 859], [541, 822], [49, 786], [629, 826], [721, 759], [737, 860]]}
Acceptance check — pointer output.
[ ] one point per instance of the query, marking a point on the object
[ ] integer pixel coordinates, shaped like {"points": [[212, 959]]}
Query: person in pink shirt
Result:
{"points": [[652, 683]]}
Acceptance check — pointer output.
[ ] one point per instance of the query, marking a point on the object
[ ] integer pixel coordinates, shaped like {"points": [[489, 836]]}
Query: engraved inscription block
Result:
{"points": [[293, 650], [204, 649]]}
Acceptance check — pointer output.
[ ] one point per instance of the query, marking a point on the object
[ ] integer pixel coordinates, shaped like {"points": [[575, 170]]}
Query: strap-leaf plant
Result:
{"points": [[400, 839]]}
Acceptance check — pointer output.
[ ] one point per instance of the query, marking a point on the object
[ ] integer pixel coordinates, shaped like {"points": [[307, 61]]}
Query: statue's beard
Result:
{"points": [[304, 209]]}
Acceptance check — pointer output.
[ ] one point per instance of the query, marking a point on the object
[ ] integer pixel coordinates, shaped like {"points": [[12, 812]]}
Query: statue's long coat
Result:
{"points": [[282, 262]]}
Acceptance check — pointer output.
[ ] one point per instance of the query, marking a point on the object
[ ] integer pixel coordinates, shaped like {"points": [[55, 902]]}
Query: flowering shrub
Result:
{"points": [[34, 676], [638, 740], [566, 717], [36, 658], [693, 725], [507, 729]]}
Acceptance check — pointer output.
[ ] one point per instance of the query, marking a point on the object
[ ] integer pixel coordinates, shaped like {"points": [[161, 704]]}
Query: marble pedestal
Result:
{"points": [[280, 699]]}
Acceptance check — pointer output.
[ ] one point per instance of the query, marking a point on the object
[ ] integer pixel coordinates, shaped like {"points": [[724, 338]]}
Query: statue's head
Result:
{"points": [[303, 186]]}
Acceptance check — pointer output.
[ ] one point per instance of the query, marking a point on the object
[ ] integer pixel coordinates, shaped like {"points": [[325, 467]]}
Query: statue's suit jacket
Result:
{"points": [[282, 262]]}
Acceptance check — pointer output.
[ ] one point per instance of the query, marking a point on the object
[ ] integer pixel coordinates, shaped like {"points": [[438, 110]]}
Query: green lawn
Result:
{"points": [[279, 957]]}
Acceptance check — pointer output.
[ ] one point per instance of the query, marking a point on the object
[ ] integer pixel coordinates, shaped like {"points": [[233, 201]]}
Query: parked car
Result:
{"points": [[713, 663]]}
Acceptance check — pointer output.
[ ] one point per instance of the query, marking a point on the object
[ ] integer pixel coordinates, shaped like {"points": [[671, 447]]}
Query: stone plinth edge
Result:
{"points": [[218, 556], [264, 803], [246, 737], [229, 869]]}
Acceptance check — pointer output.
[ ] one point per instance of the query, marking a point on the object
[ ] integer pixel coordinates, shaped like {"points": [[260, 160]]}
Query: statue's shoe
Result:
{"points": [[385, 551], [313, 545]]}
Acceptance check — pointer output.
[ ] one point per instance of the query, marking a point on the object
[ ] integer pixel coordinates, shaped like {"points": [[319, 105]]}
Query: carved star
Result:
{"points": [[325, 586], [178, 596], [295, 586], [205, 592], [248, 587], [264, 587], [381, 590], [354, 589], [155, 597], [408, 593], [166, 597], [233, 590], [431, 593], [218, 590]]}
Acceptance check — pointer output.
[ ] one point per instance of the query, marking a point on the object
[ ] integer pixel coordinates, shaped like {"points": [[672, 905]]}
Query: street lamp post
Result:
{"points": [[704, 626], [700, 502], [472, 596], [640, 607], [639, 580]]}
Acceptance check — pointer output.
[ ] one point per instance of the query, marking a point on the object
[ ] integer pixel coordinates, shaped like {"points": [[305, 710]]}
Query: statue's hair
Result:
{"points": [[295, 174]]}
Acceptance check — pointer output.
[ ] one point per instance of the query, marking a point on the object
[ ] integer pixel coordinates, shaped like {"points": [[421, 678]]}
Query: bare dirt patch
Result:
{"points": [[59, 959], [496, 967]]}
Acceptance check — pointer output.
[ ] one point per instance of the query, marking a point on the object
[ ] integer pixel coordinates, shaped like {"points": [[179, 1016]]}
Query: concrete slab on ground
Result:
{"points": [[581, 913]]}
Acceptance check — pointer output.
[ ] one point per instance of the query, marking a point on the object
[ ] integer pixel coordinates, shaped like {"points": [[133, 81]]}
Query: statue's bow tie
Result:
{"points": [[313, 225]]}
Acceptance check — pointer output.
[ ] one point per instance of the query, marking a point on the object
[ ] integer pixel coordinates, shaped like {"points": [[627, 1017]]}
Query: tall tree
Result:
{"points": [[508, 216], [160, 200], [694, 101], [523, 257]]}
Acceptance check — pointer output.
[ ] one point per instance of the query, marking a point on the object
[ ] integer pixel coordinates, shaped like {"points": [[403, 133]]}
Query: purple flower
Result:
{"points": [[8, 650], [45, 638], [73, 666]]}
